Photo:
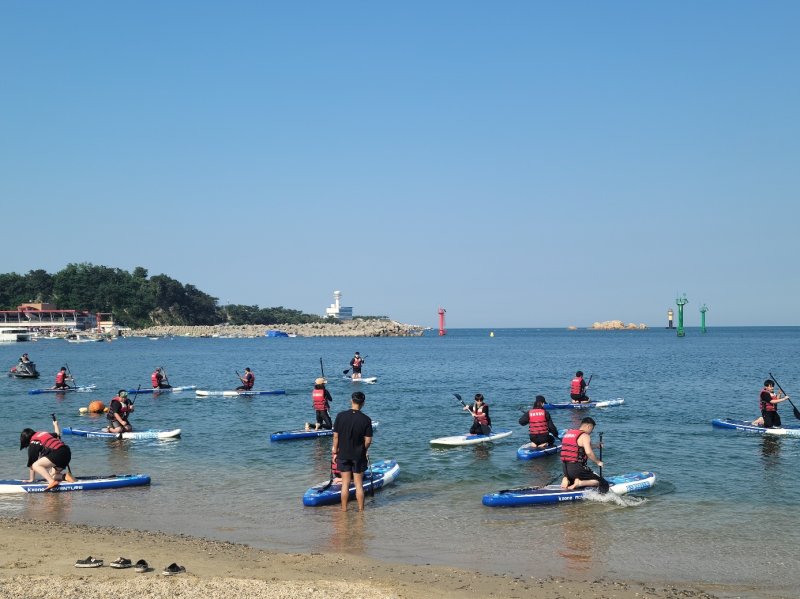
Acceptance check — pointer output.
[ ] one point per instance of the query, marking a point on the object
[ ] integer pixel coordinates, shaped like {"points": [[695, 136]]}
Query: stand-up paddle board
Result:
{"points": [[746, 425], [376, 477], [529, 452], [88, 483], [202, 393], [583, 405], [363, 379], [500, 433], [82, 389], [304, 434], [101, 434], [165, 390], [620, 485]]}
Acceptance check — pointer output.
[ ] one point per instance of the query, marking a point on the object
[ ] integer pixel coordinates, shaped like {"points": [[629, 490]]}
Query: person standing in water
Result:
{"points": [[352, 436]]}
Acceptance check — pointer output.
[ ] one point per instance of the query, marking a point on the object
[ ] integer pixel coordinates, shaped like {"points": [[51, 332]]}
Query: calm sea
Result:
{"points": [[724, 508]]}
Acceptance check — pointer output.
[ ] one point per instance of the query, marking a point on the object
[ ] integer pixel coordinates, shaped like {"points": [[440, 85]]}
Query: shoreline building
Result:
{"points": [[44, 317], [336, 310]]}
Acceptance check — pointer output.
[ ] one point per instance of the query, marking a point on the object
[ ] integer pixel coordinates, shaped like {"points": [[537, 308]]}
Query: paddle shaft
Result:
{"points": [[601, 454], [321, 368], [69, 372], [794, 408]]}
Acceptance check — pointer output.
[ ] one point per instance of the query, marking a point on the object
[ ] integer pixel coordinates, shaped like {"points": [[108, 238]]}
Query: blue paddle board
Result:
{"points": [[527, 451], [89, 483], [378, 476], [746, 425], [304, 434], [584, 405]]}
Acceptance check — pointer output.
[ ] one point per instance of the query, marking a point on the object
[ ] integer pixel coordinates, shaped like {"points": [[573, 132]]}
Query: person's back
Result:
{"points": [[352, 436], [577, 388]]}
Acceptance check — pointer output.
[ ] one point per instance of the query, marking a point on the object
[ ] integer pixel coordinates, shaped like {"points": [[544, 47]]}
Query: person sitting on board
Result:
{"points": [[61, 379], [482, 424], [352, 436], [576, 449], [48, 456], [321, 399], [356, 363], [118, 415], [768, 402], [158, 380], [577, 389], [248, 380], [541, 429]]}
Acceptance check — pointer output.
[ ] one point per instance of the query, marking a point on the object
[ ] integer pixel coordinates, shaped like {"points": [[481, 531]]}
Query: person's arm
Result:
{"points": [[335, 446], [586, 443], [367, 443], [524, 419], [550, 426], [328, 396]]}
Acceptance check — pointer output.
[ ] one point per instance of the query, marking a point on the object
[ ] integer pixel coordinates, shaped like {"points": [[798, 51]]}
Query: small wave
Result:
{"points": [[620, 500]]}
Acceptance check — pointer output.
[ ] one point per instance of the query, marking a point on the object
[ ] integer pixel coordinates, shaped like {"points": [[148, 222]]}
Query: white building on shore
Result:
{"points": [[336, 310]]}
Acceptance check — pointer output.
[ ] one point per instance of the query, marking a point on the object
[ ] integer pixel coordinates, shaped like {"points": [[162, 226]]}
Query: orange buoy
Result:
{"points": [[97, 407]]}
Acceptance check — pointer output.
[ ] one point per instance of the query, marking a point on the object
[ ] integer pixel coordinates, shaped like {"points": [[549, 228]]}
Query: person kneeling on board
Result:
{"points": [[482, 424], [768, 403], [61, 379], [541, 429], [577, 389], [248, 380], [158, 380], [576, 449], [321, 399], [119, 413], [48, 456]]}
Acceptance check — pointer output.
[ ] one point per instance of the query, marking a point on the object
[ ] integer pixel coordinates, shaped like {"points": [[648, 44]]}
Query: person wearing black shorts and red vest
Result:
{"points": [[356, 363], [352, 436], [321, 400], [482, 425], [248, 380], [46, 453], [768, 402], [541, 429], [576, 449], [577, 388], [119, 411], [158, 380], [61, 379]]}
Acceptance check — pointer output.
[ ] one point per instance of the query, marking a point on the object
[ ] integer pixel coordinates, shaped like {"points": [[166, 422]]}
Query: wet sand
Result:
{"points": [[37, 560]]}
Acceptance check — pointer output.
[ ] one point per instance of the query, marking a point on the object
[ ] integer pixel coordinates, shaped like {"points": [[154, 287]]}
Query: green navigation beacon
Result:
{"points": [[681, 301], [703, 310]]}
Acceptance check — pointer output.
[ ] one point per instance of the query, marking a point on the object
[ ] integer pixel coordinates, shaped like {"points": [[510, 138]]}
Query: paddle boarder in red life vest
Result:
{"points": [[61, 379], [576, 449], [118, 415], [321, 400], [48, 456], [159, 380], [482, 424], [541, 429], [248, 380], [768, 403], [577, 389], [356, 363]]}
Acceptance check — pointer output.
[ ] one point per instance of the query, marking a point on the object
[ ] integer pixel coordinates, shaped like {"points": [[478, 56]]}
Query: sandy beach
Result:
{"points": [[38, 559]]}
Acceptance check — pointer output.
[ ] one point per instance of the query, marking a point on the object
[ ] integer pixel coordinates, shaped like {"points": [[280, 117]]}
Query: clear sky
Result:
{"points": [[519, 163]]}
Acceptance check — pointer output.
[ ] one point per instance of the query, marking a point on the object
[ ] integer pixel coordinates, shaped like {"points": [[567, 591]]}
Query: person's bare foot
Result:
{"points": [[564, 482], [52, 485]]}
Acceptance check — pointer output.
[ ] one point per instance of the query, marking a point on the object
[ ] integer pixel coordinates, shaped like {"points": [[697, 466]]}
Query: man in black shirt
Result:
{"points": [[352, 436]]}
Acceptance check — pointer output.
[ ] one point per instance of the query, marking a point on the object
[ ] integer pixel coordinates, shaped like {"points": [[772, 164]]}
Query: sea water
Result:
{"points": [[724, 508]]}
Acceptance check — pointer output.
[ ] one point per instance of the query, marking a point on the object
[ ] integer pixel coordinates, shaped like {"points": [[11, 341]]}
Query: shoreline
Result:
{"points": [[348, 328], [39, 556]]}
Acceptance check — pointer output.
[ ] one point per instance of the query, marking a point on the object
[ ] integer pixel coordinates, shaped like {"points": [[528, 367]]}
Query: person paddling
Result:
{"points": [[248, 380], [577, 388], [541, 429], [768, 403], [321, 398], [356, 363], [576, 450], [482, 423], [48, 456], [159, 380], [118, 415], [61, 379]]}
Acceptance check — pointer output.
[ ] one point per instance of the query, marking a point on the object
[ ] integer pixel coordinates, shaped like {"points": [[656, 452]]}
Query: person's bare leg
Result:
{"points": [[584, 483], [358, 478], [346, 477], [42, 468]]}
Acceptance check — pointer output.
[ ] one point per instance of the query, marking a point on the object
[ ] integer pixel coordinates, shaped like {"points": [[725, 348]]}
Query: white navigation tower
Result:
{"points": [[337, 310]]}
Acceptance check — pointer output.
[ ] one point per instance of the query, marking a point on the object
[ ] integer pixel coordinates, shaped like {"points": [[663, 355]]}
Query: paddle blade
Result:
{"points": [[796, 412], [345, 371]]}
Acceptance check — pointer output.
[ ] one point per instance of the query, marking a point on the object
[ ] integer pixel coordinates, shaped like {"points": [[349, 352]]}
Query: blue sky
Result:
{"points": [[519, 163]]}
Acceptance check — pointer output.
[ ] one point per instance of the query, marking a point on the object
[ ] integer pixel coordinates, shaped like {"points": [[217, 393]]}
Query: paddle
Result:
{"points": [[330, 480], [794, 408], [133, 401], [371, 478], [552, 480], [166, 376], [601, 454], [69, 373], [346, 370], [57, 430], [321, 368]]}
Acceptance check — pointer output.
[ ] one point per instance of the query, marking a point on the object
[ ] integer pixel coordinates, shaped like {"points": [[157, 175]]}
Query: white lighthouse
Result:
{"points": [[337, 310]]}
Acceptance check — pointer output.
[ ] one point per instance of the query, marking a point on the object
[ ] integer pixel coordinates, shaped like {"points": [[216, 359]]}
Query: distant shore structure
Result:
{"points": [[670, 316], [442, 330], [337, 310], [703, 310]]}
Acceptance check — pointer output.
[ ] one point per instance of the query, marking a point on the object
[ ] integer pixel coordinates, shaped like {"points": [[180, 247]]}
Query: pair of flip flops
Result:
{"points": [[89, 562], [123, 562]]}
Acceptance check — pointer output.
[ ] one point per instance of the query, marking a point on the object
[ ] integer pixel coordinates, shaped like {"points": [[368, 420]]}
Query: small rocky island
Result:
{"points": [[348, 328], [617, 325]]}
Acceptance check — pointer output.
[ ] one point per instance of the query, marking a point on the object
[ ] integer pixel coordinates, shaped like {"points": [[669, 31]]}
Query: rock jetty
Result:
{"points": [[348, 328], [617, 325]]}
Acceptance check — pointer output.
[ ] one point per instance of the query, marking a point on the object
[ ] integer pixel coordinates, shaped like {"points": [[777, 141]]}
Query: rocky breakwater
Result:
{"points": [[617, 325], [349, 328]]}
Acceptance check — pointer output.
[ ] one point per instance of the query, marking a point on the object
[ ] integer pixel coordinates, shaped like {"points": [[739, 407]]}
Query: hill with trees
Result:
{"points": [[135, 299]]}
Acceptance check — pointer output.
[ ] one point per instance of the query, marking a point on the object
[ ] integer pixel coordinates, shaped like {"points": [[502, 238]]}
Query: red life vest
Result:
{"points": [[318, 398], [767, 406], [47, 441], [480, 416], [61, 377], [571, 452], [575, 386], [249, 380], [357, 362], [537, 421], [155, 378]]}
